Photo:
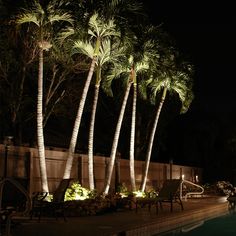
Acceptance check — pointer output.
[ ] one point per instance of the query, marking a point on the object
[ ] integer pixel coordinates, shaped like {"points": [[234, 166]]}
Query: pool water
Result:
{"points": [[220, 226]]}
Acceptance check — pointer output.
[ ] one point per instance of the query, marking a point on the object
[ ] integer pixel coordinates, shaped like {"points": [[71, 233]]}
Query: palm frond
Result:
{"points": [[99, 28], [27, 18], [187, 102], [105, 52], [106, 85], [141, 67], [60, 17], [84, 48], [65, 33], [94, 25], [142, 89]]}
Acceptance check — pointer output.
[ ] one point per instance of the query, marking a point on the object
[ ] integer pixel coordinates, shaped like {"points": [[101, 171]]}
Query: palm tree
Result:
{"points": [[108, 54], [116, 135], [142, 53], [144, 58], [172, 81], [128, 14], [128, 70], [42, 21], [98, 31]]}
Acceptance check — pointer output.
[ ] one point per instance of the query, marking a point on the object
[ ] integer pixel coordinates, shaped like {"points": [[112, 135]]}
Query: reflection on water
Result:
{"points": [[220, 226], [192, 226]]}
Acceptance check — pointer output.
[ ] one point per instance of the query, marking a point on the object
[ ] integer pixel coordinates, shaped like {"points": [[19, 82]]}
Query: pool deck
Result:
{"points": [[127, 222]]}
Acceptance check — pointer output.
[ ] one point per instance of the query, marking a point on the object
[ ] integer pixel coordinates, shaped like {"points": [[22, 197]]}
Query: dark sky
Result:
{"points": [[207, 34]]}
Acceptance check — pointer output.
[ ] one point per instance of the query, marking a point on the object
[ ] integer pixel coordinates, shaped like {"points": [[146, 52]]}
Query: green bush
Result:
{"points": [[77, 192]]}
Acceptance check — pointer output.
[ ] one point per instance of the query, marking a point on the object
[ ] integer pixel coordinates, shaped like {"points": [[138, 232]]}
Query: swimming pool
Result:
{"points": [[220, 226]]}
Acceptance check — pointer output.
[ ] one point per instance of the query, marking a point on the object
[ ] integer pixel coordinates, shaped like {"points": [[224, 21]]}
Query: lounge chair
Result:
{"points": [[15, 203], [169, 193], [41, 205]]}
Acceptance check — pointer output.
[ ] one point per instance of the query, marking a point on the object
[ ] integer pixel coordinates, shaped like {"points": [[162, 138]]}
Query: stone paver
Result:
{"points": [[143, 223]]}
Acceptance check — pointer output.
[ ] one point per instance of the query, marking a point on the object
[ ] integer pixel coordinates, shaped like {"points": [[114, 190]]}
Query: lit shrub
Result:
{"points": [[152, 193], [122, 190], [139, 194], [225, 188], [77, 192]]}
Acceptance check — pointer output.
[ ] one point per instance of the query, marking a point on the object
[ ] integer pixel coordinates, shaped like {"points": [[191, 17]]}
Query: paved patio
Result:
{"points": [[128, 222]]}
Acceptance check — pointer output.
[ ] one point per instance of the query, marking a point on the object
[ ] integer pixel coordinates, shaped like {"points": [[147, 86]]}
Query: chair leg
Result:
{"points": [[171, 205], [136, 207], [8, 225], [157, 208], [64, 215], [181, 204], [149, 207], [161, 205], [40, 213]]}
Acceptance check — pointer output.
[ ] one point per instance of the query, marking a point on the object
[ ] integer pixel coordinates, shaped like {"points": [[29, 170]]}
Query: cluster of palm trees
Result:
{"points": [[112, 42]]}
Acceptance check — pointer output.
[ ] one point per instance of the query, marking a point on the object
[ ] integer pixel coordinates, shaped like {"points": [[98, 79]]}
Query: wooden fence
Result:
{"points": [[23, 165]]}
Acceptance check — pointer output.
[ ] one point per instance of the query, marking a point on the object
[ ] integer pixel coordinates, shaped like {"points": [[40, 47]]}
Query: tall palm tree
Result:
{"points": [[142, 53], [116, 136], [172, 81], [98, 31], [108, 55], [145, 55], [128, 70], [41, 21], [128, 14]]}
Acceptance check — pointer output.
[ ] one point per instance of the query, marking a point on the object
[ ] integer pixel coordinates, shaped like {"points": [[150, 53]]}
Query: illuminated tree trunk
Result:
{"points": [[151, 140], [75, 131], [132, 139], [40, 136], [91, 138], [115, 140], [41, 18]]}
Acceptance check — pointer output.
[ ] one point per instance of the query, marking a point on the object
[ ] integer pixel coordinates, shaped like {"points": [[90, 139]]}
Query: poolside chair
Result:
{"points": [[15, 203], [170, 193], [41, 205]]}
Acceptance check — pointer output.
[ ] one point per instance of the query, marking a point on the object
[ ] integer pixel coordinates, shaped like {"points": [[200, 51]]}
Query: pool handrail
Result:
{"points": [[190, 193]]}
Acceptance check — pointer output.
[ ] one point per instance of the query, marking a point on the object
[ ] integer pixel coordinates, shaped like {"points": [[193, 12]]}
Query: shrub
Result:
{"points": [[122, 190], [77, 192], [225, 188]]}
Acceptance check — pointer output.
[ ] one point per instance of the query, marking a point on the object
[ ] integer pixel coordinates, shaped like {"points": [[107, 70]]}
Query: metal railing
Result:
{"points": [[190, 193]]}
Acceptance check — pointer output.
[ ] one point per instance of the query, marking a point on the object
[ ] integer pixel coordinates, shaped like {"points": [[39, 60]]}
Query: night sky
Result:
{"points": [[206, 33]]}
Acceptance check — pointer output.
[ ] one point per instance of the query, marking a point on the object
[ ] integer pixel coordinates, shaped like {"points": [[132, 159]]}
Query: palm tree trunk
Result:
{"points": [[75, 131], [132, 140], [40, 136], [115, 140], [150, 144], [91, 138]]}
